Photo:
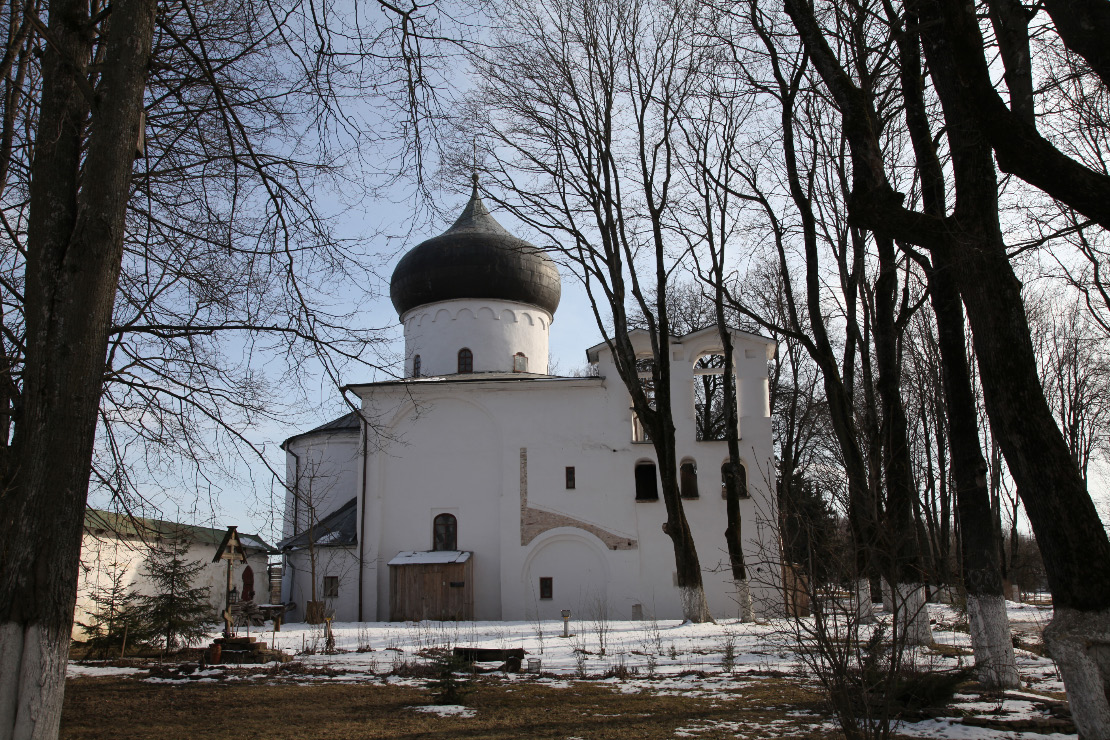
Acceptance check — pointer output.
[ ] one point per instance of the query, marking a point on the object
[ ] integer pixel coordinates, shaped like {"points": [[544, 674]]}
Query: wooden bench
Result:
{"points": [[512, 658]]}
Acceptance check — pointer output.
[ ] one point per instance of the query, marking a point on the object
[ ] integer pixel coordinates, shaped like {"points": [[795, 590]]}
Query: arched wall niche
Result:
{"points": [[577, 564]]}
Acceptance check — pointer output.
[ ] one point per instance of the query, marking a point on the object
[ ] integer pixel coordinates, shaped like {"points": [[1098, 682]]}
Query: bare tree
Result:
{"points": [[969, 242], [1075, 371], [576, 113], [711, 126], [157, 167]]}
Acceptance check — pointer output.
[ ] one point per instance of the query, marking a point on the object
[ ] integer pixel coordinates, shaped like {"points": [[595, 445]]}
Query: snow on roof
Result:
{"points": [[426, 558]]}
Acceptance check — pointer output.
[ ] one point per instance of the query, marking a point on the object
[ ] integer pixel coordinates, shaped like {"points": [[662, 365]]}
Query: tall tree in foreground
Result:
{"points": [[977, 125], [80, 185], [111, 282], [576, 108], [812, 165], [710, 127], [982, 575]]}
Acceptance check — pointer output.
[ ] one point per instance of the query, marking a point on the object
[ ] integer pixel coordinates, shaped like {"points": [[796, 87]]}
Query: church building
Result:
{"points": [[481, 487]]}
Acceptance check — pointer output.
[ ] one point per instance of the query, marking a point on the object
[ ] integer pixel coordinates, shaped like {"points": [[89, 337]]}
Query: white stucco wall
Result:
{"points": [[105, 555], [493, 330], [456, 448], [341, 562], [447, 459], [321, 476]]}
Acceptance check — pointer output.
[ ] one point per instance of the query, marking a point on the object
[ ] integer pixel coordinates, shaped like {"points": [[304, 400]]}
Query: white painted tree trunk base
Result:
{"points": [[992, 643], [695, 608], [888, 596], [744, 600], [1079, 642], [865, 612], [912, 613], [32, 680]]}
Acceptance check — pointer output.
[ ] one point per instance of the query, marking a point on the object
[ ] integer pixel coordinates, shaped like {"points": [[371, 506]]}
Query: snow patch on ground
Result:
{"points": [[78, 670], [715, 662], [447, 710], [949, 728]]}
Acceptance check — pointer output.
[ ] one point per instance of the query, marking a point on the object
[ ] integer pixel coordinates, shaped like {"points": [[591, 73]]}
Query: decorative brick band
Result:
{"points": [[534, 522]]}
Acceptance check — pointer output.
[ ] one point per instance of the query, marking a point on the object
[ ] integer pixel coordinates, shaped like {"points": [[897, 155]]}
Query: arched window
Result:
{"points": [[248, 584], [466, 361], [445, 532], [711, 416], [416, 366], [741, 479], [647, 487], [520, 363], [688, 479]]}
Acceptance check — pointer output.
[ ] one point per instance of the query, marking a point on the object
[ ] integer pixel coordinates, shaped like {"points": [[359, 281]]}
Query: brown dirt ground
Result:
{"points": [[122, 708]]}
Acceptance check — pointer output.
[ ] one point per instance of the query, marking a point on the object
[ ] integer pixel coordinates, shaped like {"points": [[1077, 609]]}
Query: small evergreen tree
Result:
{"points": [[178, 614], [114, 621]]}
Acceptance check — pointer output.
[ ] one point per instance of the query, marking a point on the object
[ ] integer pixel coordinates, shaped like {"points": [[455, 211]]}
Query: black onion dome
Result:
{"points": [[475, 258]]}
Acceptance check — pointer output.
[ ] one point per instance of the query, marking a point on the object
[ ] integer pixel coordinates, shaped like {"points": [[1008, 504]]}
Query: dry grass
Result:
{"points": [[121, 708]]}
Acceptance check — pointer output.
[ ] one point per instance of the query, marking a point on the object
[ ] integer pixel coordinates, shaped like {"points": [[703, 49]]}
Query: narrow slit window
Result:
{"points": [[570, 477], [688, 479], [741, 481], [416, 366], [546, 588], [647, 487], [639, 434]]}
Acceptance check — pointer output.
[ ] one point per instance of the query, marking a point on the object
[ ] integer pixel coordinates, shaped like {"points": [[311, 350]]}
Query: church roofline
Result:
{"points": [[436, 380], [347, 423], [593, 352]]}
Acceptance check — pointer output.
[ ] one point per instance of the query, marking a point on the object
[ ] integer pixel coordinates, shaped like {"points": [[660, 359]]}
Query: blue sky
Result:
{"points": [[573, 330]]}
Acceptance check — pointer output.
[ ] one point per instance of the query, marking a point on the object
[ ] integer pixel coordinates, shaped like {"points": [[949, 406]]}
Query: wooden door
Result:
{"points": [[431, 591]]}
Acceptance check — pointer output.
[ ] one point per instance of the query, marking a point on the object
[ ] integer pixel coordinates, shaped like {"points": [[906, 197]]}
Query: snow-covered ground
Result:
{"points": [[666, 658]]}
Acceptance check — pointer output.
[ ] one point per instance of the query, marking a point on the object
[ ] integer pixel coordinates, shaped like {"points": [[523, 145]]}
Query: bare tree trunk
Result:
{"points": [[1075, 547], [733, 481], [74, 252], [986, 605], [862, 506], [900, 528], [989, 625], [659, 422], [1074, 544]]}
